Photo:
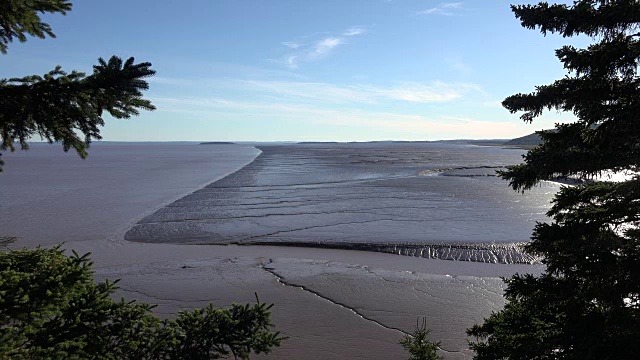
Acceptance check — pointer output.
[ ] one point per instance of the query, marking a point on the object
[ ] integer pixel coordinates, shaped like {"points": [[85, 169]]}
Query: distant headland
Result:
{"points": [[526, 142], [531, 140]]}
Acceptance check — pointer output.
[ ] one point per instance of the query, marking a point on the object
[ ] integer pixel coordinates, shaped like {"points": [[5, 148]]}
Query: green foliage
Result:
{"points": [[19, 18], [586, 305], [418, 344], [59, 106], [50, 307]]}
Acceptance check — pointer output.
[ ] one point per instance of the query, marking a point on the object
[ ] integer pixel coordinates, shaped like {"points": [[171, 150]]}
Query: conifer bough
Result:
{"points": [[63, 107], [586, 304]]}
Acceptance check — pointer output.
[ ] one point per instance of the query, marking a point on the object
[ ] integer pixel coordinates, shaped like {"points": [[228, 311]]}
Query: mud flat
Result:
{"points": [[372, 197], [331, 303]]}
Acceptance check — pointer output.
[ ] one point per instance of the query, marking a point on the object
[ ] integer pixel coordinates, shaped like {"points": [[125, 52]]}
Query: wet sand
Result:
{"points": [[429, 200], [331, 303]]}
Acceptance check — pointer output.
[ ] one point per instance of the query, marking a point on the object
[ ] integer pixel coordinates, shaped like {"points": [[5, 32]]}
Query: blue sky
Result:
{"points": [[342, 70]]}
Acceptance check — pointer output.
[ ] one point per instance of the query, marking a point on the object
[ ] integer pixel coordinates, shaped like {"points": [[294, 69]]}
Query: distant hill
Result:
{"points": [[456, 141], [482, 142], [217, 143], [317, 142], [529, 140]]}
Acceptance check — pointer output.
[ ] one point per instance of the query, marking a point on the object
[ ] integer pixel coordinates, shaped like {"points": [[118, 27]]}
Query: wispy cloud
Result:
{"points": [[311, 90], [414, 92], [353, 31], [209, 72], [407, 126], [292, 44], [436, 92], [325, 46], [445, 9], [317, 49], [433, 92]]}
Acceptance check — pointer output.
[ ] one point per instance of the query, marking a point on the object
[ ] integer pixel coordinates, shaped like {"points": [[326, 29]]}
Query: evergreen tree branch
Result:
{"points": [[50, 307], [68, 107], [586, 304], [592, 18], [19, 18], [617, 57], [576, 150]]}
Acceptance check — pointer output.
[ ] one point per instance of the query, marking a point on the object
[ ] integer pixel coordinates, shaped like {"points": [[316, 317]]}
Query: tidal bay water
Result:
{"points": [[431, 200], [434, 200], [48, 196]]}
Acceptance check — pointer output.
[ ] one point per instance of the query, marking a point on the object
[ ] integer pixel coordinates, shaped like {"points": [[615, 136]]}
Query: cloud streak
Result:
{"points": [[395, 125], [433, 92], [445, 9], [325, 46], [292, 44], [353, 31], [318, 49]]}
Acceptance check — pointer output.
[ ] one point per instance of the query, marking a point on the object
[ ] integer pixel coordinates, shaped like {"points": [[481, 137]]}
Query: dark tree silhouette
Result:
{"points": [[58, 106], [586, 305]]}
